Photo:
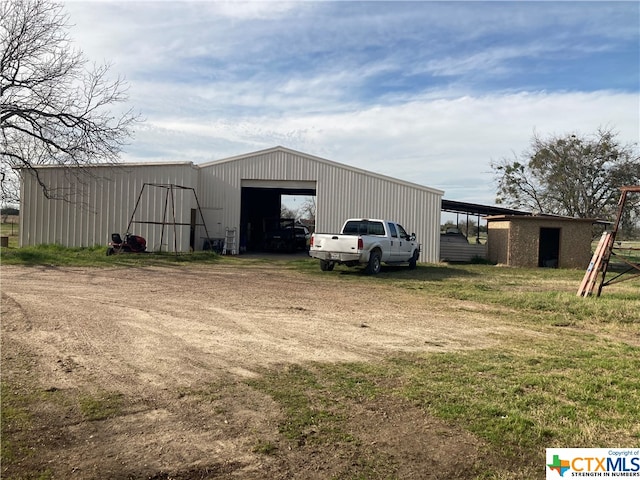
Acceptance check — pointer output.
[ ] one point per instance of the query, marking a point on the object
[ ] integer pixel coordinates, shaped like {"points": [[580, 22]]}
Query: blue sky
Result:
{"points": [[428, 92]]}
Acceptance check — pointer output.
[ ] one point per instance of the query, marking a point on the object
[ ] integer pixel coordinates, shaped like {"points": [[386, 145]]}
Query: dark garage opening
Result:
{"points": [[549, 248], [259, 208]]}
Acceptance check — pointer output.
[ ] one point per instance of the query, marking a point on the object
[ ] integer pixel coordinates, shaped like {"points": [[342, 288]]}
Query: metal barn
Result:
{"points": [[241, 191], [236, 193]]}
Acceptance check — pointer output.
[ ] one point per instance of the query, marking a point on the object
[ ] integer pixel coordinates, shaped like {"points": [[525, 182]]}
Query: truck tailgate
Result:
{"points": [[327, 242]]}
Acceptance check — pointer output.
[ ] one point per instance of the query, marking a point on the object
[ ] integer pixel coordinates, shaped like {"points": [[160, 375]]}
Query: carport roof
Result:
{"points": [[476, 209], [544, 218]]}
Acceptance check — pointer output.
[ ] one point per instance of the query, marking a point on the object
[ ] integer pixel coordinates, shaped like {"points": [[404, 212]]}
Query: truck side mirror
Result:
{"points": [[412, 237]]}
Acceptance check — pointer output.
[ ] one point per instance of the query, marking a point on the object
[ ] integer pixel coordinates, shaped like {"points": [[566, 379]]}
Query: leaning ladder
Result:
{"points": [[230, 242], [600, 260], [597, 265]]}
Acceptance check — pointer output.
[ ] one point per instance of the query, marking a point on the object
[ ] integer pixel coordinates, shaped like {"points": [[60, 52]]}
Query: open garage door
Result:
{"points": [[260, 209]]}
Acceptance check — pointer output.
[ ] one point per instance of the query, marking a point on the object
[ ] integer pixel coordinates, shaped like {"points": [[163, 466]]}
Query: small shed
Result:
{"points": [[539, 241]]}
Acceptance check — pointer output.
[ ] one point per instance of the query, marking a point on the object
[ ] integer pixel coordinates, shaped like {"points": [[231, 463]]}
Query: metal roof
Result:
{"points": [[476, 209], [320, 160]]}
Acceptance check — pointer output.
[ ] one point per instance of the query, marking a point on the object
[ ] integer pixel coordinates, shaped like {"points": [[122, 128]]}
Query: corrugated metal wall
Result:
{"points": [[342, 192], [101, 201]]}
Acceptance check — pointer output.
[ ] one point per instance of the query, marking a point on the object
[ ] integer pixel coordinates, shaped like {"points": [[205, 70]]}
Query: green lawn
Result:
{"points": [[577, 385], [10, 229]]}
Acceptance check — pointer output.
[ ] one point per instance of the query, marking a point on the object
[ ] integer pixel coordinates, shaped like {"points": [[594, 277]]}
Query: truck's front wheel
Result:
{"points": [[326, 266], [374, 266], [413, 261]]}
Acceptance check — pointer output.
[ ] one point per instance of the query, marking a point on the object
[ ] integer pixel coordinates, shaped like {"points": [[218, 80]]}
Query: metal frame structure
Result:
{"points": [[600, 262], [170, 187], [609, 251], [468, 209]]}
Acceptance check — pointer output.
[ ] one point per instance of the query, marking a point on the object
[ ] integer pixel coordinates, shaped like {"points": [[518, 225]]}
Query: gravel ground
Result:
{"points": [[148, 335]]}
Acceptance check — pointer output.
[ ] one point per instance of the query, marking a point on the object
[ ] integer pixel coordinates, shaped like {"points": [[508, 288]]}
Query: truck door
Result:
{"points": [[405, 247], [394, 242]]}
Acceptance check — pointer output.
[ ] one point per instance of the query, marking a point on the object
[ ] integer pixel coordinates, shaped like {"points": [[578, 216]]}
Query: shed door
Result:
{"points": [[549, 248]]}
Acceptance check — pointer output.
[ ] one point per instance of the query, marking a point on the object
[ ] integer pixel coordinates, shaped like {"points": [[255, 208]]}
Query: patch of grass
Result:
{"points": [[567, 391], [545, 296], [317, 402], [551, 394], [563, 387], [307, 421], [15, 417], [21, 424], [30, 413], [540, 296], [57, 255], [265, 447], [100, 407]]}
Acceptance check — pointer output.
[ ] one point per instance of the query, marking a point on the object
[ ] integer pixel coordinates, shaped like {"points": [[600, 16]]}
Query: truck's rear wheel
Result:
{"points": [[374, 266], [326, 266]]}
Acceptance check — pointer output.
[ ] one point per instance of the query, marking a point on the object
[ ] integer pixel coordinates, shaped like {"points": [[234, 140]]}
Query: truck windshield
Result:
{"points": [[363, 227]]}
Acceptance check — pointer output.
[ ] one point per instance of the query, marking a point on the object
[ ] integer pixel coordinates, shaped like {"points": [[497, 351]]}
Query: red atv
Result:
{"points": [[131, 244]]}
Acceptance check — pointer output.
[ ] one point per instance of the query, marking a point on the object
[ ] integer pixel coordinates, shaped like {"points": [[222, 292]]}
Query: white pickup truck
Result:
{"points": [[367, 242]]}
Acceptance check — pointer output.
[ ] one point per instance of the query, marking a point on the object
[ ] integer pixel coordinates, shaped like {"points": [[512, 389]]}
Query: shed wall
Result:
{"points": [[523, 244], [516, 242], [101, 201], [575, 243], [498, 242], [341, 192]]}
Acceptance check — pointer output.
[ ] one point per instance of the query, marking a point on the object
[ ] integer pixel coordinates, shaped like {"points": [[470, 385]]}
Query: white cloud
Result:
{"points": [[336, 79], [444, 143]]}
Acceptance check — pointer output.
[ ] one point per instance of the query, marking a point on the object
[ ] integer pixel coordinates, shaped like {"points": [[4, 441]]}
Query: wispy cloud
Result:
{"points": [[431, 92]]}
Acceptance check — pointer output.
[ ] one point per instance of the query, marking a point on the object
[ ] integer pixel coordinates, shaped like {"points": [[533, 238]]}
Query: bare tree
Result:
{"points": [[54, 109], [308, 209], [287, 212]]}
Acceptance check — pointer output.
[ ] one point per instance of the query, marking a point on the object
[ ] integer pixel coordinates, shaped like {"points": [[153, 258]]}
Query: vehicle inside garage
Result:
{"points": [[261, 226]]}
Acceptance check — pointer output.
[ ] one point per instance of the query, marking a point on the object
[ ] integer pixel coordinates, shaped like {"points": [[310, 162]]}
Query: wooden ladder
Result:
{"points": [[600, 260], [597, 264]]}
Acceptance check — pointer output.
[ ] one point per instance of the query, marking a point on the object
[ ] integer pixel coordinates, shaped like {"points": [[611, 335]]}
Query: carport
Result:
{"points": [[456, 247]]}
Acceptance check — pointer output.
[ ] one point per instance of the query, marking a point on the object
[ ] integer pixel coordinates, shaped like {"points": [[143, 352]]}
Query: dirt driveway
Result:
{"points": [[151, 335]]}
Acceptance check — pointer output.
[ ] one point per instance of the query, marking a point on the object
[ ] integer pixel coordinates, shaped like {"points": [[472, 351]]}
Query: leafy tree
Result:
{"points": [[571, 175], [54, 110]]}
